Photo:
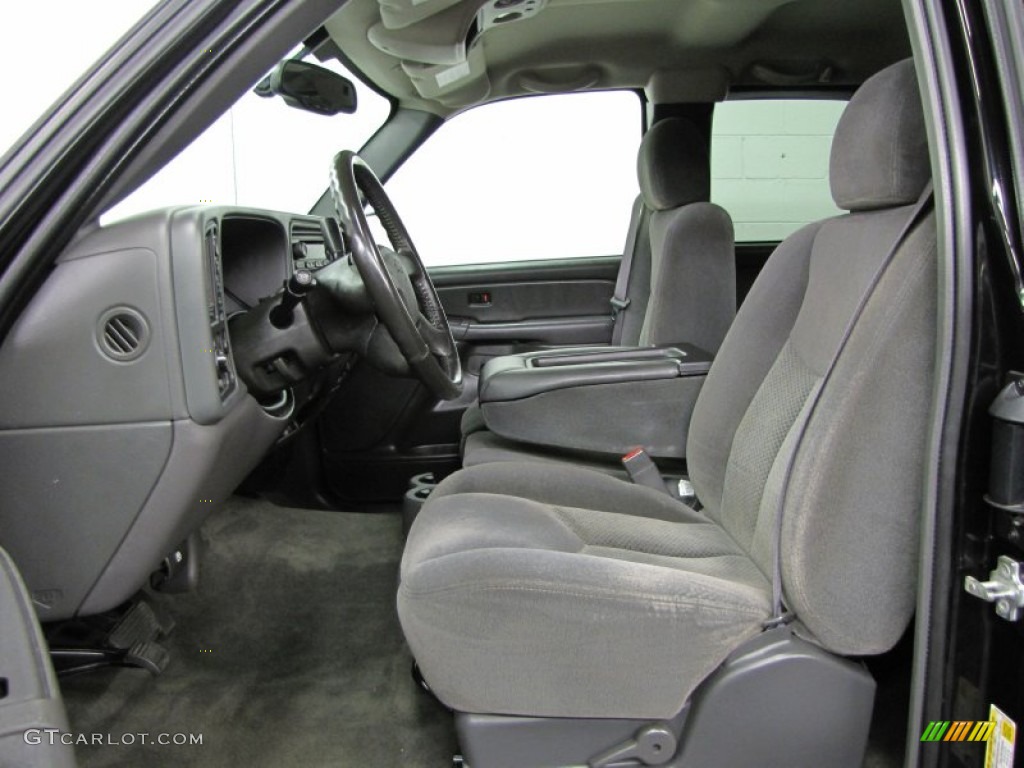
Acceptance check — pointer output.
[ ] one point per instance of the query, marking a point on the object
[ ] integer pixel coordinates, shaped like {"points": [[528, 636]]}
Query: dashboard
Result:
{"points": [[124, 420], [259, 251]]}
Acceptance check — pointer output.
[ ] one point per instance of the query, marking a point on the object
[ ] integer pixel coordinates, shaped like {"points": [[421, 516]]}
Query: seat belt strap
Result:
{"points": [[620, 299], [780, 615]]}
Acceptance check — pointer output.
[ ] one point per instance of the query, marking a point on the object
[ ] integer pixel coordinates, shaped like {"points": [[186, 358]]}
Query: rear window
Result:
{"points": [[769, 164]]}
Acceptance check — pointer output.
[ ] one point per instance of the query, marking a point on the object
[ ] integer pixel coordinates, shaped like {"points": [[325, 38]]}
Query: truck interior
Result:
{"points": [[326, 494]]}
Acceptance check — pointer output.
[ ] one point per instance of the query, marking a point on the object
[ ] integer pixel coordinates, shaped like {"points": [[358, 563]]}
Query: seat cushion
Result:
{"points": [[540, 597], [472, 420], [567, 485], [485, 447]]}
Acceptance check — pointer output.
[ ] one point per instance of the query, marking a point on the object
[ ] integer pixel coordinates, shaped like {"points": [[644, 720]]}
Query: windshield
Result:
{"points": [[83, 34], [261, 153]]}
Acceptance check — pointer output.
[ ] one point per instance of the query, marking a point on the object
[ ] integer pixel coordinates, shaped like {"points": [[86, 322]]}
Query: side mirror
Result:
{"points": [[310, 87]]}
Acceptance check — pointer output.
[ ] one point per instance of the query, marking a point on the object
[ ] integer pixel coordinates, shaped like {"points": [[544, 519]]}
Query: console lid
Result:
{"points": [[601, 400], [514, 377]]}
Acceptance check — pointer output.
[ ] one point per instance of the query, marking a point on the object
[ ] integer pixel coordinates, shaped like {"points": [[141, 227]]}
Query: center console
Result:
{"points": [[604, 400]]}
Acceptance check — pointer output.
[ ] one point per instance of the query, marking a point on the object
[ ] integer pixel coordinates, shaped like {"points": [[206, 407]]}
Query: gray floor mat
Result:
{"points": [[289, 653]]}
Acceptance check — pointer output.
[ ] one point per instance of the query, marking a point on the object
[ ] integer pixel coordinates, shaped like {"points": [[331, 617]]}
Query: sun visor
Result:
{"points": [[453, 85], [445, 35]]}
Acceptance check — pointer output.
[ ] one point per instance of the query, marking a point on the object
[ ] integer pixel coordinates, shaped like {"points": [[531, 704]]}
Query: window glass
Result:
{"points": [[77, 35], [769, 164], [261, 153], [542, 177]]}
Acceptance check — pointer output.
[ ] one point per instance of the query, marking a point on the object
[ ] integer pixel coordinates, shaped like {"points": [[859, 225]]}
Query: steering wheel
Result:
{"points": [[398, 284]]}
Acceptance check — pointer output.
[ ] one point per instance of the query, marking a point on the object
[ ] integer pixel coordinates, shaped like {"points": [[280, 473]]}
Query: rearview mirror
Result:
{"points": [[310, 87]]}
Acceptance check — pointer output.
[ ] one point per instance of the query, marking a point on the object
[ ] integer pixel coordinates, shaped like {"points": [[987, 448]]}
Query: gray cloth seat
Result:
{"points": [[680, 282], [555, 591], [565, 550]]}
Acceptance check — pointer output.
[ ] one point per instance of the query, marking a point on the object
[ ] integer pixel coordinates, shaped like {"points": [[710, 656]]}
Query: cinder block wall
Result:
{"points": [[769, 164]]}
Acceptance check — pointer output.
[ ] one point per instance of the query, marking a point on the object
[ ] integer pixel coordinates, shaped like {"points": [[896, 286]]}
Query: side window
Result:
{"points": [[543, 177], [769, 164]]}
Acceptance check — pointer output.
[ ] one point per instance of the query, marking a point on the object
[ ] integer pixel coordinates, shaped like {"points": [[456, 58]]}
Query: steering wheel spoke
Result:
{"points": [[435, 338], [410, 260]]}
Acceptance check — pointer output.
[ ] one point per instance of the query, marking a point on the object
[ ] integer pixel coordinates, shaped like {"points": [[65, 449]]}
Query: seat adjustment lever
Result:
{"points": [[652, 745]]}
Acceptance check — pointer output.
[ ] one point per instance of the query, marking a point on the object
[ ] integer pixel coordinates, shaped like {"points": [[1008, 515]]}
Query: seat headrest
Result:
{"points": [[880, 150], [673, 165]]}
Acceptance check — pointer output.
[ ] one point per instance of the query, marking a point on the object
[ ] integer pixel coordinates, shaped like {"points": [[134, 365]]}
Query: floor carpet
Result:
{"points": [[288, 654]]}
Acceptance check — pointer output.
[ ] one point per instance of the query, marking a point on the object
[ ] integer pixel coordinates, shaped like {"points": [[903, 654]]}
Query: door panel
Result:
{"points": [[504, 309], [30, 701], [485, 298], [507, 308], [488, 302]]}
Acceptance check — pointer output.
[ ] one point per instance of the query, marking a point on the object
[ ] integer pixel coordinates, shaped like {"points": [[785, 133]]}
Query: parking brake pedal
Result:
{"points": [[142, 623], [150, 656], [126, 637]]}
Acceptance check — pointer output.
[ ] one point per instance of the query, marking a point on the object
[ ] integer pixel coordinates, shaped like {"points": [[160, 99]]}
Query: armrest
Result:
{"points": [[600, 400], [514, 377]]}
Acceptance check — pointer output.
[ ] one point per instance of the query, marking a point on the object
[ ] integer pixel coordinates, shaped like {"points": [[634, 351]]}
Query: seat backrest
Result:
{"points": [[682, 275], [855, 458]]}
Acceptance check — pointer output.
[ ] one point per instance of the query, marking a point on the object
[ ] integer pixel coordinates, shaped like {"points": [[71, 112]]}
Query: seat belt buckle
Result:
{"points": [[779, 620], [642, 470], [618, 305]]}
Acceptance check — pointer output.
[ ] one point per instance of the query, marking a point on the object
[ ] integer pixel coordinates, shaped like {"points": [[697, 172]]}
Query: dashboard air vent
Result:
{"points": [[123, 334]]}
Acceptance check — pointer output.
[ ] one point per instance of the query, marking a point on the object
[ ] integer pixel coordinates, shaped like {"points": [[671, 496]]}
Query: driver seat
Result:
{"points": [[556, 609], [677, 277]]}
